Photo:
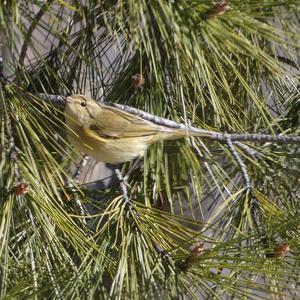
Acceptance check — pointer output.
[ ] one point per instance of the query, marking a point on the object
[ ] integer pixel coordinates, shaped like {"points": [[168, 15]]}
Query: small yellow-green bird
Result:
{"points": [[111, 135]]}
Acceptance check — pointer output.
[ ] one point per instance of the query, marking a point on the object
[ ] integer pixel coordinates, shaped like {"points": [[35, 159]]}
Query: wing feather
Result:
{"points": [[114, 123]]}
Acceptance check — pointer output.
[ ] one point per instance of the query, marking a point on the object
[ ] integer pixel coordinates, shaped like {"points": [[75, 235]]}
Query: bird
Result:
{"points": [[112, 135]]}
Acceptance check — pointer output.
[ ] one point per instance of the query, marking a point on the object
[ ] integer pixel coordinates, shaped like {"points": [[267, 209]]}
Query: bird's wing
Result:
{"points": [[112, 122]]}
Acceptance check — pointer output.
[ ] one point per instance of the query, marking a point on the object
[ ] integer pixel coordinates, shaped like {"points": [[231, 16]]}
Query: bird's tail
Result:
{"points": [[187, 131]]}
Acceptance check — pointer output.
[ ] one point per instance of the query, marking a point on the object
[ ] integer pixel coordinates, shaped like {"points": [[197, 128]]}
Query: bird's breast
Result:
{"points": [[108, 150]]}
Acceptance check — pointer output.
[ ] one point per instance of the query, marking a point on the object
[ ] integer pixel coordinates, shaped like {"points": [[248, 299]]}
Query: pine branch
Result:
{"points": [[240, 163], [53, 99], [84, 161], [81, 209], [222, 137], [12, 150], [250, 151], [13, 157], [1, 67], [222, 69], [218, 136], [123, 186]]}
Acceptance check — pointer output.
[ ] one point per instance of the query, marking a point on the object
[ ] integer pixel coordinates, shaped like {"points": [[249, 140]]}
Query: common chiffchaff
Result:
{"points": [[111, 135]]}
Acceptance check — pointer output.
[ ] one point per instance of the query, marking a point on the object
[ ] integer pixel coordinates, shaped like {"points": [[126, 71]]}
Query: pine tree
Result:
{"points": [[208, 219]]}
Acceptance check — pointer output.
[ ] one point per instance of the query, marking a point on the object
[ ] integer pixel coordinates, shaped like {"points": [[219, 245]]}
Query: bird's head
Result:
{"points": [[81, 109]]}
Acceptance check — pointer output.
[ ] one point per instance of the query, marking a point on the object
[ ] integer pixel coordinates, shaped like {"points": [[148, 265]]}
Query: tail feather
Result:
{"points": [[185, 131]]}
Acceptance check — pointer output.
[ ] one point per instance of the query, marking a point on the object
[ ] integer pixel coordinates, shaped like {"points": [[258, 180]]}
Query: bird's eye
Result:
{"points": [[83, 104]]}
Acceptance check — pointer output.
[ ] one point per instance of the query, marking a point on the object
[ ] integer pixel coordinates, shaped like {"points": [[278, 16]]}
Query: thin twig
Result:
{"points": [[287, 61], [54, 99], [13, 157], [83, 162], [79, 205], [222, 137], [255, 137], [1, 279], [240, 163], [30, 30], [160, 251], [250, 151], [12, 151], [81, 209], [254, 207], [5, 58], [1, 68], [123, 186]]}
